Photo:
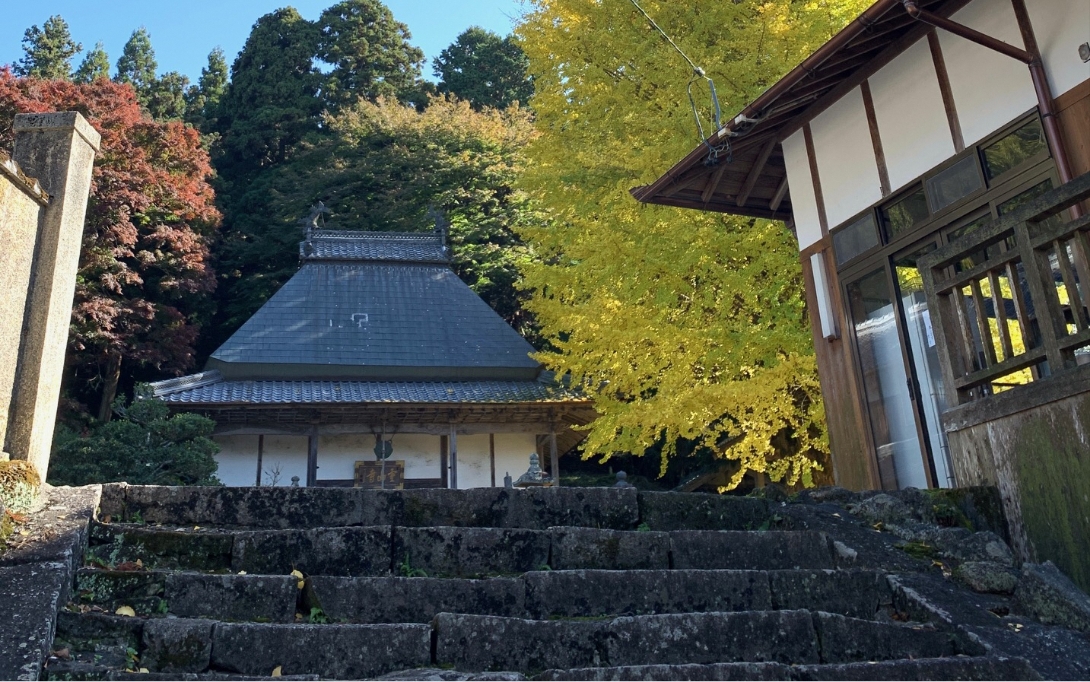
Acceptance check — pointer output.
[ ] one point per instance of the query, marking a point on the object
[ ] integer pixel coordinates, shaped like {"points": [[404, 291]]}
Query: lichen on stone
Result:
{"points": [[19, 485]]}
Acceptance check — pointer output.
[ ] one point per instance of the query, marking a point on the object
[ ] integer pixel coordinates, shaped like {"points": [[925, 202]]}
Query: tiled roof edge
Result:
{"points": [[11, 169], [168, 386]]}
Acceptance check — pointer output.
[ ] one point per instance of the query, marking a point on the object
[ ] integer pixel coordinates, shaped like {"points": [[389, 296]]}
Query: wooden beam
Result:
{"points": [[808, 137], [453, 456], [492, 456], [713, 182], [875, 138], [312, 458], [777, 198], [260, 453], [946, 91], [444, 470], [554, 459], [755, 171], [463, 428]]}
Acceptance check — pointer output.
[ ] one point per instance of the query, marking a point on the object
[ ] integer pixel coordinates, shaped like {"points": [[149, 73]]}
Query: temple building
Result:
{"points": [[375, 365], [933, 160]]}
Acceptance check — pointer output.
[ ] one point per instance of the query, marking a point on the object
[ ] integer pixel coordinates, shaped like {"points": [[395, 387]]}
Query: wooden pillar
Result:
{"points": [[312, 458], [453, 456], [554, 458], [492, 456], [443, 470], [260, 454]]}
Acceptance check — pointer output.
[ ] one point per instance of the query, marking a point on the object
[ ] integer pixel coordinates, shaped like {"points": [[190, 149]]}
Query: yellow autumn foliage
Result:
{"points": [[680, 324]]}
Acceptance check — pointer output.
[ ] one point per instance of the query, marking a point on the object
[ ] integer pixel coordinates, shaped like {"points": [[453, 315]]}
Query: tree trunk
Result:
{"points": [[109, 390]]}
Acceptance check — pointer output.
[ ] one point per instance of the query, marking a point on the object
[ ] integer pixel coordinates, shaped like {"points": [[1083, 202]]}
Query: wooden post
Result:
{"points": [[453, 457], [554, 458], [312, 458], [444, 473], [492, 456], [260, 453]]}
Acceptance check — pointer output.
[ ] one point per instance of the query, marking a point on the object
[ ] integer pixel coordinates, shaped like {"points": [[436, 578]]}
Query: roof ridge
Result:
{"points": [[168, 386], [361, 246]]}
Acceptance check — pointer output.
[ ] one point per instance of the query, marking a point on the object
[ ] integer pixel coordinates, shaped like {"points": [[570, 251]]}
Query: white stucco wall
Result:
{"points": [[801, 184], [338, 454], [990, 89], [911, 116], [845, 158], [1061, 26]]}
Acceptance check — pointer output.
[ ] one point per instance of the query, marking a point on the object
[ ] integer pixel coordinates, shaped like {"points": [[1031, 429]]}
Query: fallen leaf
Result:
{"points": [[140, 563], [300, 584], [276, 672], [106, 519], [196, 527], [143, 670], [129, 566], [242, 572], [297, 573], [62, 653], [17, 517], [126, 611]]}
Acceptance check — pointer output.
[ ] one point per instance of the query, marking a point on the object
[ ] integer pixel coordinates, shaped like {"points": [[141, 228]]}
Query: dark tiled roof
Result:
{"points": [[219, 392], [398, 247], [375, 320]]}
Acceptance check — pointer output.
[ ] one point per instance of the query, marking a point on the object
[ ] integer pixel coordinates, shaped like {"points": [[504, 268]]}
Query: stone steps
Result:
{"points": [[960, 668], [496, 584], [447, 551], [534, 509]]}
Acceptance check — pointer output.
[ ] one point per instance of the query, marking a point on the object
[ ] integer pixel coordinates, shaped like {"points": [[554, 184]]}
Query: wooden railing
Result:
{"points": [[1010, 302]]}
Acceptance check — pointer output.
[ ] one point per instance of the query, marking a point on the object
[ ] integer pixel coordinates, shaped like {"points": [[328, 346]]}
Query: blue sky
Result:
{"points": [[183, 33]]}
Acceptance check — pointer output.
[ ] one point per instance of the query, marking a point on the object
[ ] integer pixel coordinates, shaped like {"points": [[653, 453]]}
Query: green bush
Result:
{"points": [[145, 445]]}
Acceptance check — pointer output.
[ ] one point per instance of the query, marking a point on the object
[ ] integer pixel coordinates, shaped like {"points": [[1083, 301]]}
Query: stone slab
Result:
{"points": [[1054, 653], [700, 511], [589, 593], [748, 636], [1048, 595], [114, 544], [846, 640], [445, 551], [743, 550], [414, 600], [232, 597], [976, 668], [176, 645], [142, 590], [356, 551], [80, 629], [479, 643], [56, 533], [330, 651], [668, 673], [590, 548], [541, 508], [856, 593], [30, 596]]}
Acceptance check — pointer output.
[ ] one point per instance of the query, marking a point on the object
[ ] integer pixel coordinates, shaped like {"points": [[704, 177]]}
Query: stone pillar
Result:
{"points": [[59, 150]]}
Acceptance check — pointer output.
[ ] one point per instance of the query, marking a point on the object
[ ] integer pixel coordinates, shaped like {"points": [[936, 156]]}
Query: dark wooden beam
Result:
{"points": [[875, 138], [947, 92], [713, 183], [777, 198], [819, 198], [755, 171]]}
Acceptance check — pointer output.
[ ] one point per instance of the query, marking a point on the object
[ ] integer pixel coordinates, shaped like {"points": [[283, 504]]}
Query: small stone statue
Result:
{"points": [[622, 481], [534, 476], [295, 481], [507, 480]]}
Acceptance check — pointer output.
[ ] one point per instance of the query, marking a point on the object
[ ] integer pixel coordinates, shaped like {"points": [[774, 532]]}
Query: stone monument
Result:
{"points": [[44, 187]]}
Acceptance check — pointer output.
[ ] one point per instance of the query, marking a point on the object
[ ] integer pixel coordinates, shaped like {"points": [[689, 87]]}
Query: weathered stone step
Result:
{"points": [[270, 598], [448, 551], [957, 668], [478, 643], [64, 670], [591, 593]]}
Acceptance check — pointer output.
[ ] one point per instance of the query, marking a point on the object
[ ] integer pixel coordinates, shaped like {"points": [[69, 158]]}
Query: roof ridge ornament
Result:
{"points": [[317, 212]]}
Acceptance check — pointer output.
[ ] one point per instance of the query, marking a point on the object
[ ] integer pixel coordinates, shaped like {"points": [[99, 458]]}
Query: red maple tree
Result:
{"points": [[145, 278]]}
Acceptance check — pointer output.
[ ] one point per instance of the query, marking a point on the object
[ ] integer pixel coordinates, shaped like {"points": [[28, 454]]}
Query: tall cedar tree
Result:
{"points": [[202, 100], [48, 50], [385, 166], [166, 97], [485, 70], [136, 65], [682, 325], [144, 280], [369, 52], [95, 65]]}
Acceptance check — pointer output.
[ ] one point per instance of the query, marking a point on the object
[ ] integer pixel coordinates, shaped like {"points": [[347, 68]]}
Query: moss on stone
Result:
{"points": [[1052, 464], [19, 485]]}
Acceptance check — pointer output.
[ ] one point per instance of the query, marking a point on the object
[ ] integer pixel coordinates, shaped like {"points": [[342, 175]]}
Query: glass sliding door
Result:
{"points": [[886, 383], [924, 360]]}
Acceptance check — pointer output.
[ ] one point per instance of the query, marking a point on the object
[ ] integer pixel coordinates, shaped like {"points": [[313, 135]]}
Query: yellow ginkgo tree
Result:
{"points": [[680, 324]]}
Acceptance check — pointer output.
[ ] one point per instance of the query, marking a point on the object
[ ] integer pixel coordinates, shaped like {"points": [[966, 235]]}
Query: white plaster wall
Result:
{"points": [[845, 158], [1061, 26], [237, 460], [474, 464], [337, 455], [911, 116], [989, 88], [513, 454], [803, 202]]}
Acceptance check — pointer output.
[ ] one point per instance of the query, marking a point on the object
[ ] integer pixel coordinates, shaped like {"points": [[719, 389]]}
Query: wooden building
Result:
{"points": [[375, 345], [928, 158]]}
